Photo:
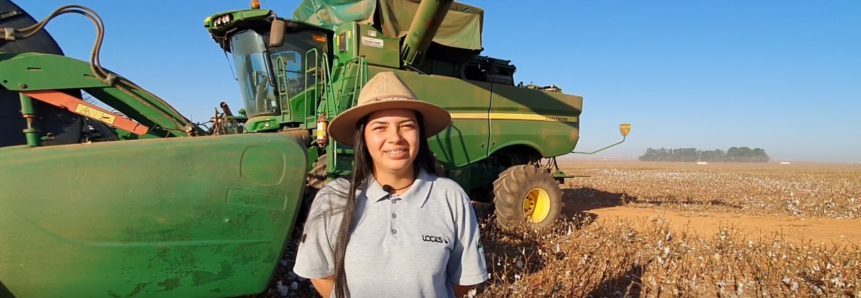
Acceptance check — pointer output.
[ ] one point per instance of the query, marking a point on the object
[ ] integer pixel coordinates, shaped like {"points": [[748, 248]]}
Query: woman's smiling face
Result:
{"points": [[392, 138]]}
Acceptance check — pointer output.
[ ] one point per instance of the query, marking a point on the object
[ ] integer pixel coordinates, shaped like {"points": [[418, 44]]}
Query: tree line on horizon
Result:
{"points": [[734, 154]]}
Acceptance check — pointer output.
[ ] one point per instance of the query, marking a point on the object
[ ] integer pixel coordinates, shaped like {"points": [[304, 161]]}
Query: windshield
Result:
{"points": [[292, 60], [252, 71]]}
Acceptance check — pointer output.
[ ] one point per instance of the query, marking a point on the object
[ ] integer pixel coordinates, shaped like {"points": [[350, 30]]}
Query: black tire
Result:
{"points": [[510, 192], [63, 125]]}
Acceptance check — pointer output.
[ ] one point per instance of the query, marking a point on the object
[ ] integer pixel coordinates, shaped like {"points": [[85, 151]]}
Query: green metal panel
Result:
{"points": [[262, 123], [378, 49], [344, 45], [546, 121], [178, 217], [37, 71], [301, 106]]}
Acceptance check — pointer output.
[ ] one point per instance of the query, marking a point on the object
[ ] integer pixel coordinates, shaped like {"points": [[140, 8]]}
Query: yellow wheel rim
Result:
{"points": [[536, 205]]}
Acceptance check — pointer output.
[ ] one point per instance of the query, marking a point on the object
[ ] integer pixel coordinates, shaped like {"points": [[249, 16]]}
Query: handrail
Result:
{"points": [[327, 83], [281, 76], [360, 80], [316, 85]]}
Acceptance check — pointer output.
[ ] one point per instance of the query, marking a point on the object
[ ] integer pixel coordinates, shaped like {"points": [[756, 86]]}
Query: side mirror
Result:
{"points": [[625, 129], [276, 33]]}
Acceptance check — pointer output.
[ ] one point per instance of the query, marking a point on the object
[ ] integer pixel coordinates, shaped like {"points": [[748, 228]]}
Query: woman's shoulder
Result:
{"points": [[332, 195], [447, 183], [337, 185], [450, 189]]}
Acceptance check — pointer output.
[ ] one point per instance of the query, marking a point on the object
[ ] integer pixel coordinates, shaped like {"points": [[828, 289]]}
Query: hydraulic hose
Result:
{"points": [[12, 34]]}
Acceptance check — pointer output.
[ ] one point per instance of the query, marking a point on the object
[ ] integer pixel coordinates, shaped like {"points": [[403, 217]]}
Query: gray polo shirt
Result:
{"points": [[413, 245]]}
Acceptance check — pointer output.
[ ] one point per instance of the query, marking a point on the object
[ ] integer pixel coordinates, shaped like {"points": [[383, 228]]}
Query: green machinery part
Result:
{"points": [[298, 73], [63, 127], [167, 211]]}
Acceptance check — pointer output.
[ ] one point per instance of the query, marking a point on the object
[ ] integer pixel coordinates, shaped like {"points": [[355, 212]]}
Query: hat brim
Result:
{"points": [[343, 127]]}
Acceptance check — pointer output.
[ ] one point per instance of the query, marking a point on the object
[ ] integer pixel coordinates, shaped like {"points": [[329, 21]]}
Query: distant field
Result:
{"points": [[640, 229], [636, 229], [800, 189]]}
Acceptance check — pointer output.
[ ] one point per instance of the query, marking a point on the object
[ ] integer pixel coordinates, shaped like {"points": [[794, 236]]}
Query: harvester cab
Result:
{"points": [[276, 66], [504, 138]]}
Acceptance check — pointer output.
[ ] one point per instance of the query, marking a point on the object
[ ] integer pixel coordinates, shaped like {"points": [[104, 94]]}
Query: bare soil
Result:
{"points": [[758, 199], [705, 224]]}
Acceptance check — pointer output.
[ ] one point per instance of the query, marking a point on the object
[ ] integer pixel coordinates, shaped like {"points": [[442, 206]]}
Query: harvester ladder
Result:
{"points": [[316, 90], [281, 76], [327, 90], [359, 76], [283, 83]]}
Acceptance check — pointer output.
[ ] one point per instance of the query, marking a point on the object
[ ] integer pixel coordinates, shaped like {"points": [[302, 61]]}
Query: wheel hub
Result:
{"points": [[536, 205]]}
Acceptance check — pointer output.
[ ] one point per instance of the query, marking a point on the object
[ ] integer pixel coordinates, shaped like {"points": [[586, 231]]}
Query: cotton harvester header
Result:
{"points": [[296, 74]]}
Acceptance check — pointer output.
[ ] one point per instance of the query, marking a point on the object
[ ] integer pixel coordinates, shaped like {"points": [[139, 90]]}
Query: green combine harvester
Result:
{"points": [[138, 201], [296, 74]]}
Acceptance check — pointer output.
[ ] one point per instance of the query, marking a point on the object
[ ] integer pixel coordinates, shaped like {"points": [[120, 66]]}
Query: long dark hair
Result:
{"points": [[363, 166]]}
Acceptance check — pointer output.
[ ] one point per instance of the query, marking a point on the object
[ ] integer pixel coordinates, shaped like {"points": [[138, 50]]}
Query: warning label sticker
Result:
{"points": [[95, 114], [372, 42]]}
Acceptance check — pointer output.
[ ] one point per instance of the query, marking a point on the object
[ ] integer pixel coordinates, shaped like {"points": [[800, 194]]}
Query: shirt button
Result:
{"points": [[394, 215], [394, 231]]}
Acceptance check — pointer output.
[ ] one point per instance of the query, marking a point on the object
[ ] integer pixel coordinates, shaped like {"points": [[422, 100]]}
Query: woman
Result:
{"points": [[394, 229]]}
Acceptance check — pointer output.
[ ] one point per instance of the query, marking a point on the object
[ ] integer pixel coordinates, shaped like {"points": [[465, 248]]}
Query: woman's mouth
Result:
{"points": [[396, 152]]}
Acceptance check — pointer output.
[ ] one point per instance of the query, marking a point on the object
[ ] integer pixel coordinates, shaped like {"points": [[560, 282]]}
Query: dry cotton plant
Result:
{"points": [[833, 192], [609, 258], [583, 257]]}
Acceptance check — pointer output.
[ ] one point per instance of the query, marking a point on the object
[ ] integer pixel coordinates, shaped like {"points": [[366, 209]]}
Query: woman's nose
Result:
{"points": [[394, 135]]}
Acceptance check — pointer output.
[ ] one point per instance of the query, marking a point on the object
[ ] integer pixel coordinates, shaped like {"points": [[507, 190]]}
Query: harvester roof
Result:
{"points": [[461, 28]]}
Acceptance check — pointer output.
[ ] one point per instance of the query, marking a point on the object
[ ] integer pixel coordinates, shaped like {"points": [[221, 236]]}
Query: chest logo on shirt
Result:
{"points": [[437, 239]]}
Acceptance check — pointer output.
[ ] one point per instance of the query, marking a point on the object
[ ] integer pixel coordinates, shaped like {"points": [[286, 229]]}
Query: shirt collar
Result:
{"points": [[416, 195]]}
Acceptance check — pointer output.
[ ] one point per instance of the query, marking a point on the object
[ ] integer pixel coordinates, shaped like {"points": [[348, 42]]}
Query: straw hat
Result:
{"points": [[382, 92]]}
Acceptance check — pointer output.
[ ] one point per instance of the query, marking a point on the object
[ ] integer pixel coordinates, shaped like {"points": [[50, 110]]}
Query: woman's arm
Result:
{"points": [[324, 285], [467, 266], [315, 258]]}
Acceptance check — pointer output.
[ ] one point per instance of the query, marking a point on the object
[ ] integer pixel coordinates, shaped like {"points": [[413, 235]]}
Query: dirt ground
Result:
{"points": [[833, 181], [708, 223]]}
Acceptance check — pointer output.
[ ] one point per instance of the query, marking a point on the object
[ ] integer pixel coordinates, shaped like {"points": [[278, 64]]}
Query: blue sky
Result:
{"points": [[780, 75]]}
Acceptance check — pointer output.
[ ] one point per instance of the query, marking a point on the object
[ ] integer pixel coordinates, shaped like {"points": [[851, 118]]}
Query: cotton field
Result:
{"points": [[678, 230]]}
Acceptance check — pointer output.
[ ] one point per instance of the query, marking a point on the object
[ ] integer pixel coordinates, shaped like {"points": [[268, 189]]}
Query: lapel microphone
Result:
{"points": [[390, 193]]}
